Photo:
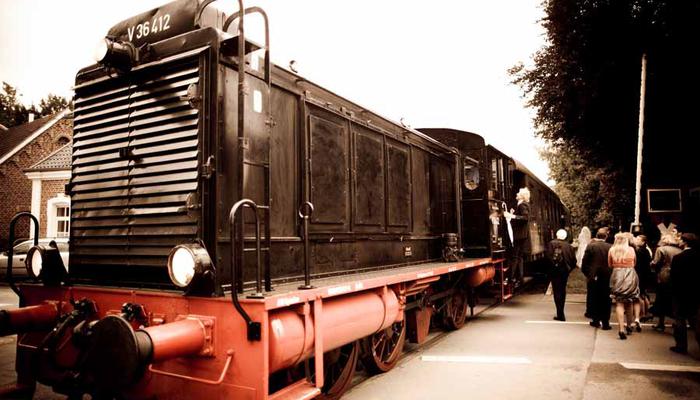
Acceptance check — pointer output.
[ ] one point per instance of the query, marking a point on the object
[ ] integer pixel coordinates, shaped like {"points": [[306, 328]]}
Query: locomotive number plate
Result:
{"points": [[160, 23]]}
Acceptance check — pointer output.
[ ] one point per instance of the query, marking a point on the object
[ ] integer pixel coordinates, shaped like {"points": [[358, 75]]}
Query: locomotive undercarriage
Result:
{"points": [[145, 344]]}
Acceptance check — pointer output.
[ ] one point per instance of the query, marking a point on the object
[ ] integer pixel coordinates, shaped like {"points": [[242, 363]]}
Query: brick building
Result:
{"points": [[29, 179]]}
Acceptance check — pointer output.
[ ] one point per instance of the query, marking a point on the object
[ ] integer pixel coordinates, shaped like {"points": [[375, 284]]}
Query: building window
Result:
{"points": [[62, 220], [58, 216]]}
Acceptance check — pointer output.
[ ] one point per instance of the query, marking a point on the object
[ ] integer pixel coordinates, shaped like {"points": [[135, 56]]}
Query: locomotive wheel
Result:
{"points": [[338, 370], [381, 351], [455, 311]]}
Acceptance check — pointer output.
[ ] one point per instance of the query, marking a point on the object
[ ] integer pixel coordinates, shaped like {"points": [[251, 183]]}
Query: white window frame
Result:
{"points": [[61, 200]]}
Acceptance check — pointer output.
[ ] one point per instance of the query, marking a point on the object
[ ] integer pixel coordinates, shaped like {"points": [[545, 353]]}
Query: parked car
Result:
{"points": [[20, 254]]}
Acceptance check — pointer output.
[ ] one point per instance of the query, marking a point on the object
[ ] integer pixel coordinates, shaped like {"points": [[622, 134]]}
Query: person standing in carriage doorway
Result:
{"points": [[520, 217], [562, 260]]}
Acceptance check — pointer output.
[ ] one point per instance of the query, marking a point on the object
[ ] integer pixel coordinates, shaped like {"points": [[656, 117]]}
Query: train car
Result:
{"points": [[491, 179], [240, 232]]}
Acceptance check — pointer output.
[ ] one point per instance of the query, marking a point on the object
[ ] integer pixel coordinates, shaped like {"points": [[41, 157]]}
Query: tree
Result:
{"points": [[590, 192], [53, 104], [585, 83], [12, 112]]}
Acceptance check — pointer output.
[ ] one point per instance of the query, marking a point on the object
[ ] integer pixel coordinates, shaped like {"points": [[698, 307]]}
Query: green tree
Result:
{"points": [[12, 112], [584, 87], [52, 104]]}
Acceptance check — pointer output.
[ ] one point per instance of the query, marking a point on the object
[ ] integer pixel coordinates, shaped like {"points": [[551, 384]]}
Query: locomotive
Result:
{"points": [[238, 231]]}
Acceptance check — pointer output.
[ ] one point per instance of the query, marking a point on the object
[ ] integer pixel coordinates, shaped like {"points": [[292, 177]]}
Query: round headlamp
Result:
{"points": [[116, 54], [44, 262], [189, 264]]}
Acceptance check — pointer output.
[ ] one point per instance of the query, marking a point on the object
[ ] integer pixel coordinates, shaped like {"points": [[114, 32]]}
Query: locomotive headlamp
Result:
{"points": [[44, 262], [119, 55], [189, 264]]}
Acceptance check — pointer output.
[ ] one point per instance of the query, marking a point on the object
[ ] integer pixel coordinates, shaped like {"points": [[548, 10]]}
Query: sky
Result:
{"points": [[441, 63]]}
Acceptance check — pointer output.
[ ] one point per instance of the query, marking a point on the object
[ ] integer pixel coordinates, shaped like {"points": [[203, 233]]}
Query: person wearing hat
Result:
{"points": [[562, 260]]}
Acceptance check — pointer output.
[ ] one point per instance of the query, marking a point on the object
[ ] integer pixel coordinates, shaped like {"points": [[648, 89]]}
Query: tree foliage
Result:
{"points": [[585, 87], [13, 112], [53, 104]]}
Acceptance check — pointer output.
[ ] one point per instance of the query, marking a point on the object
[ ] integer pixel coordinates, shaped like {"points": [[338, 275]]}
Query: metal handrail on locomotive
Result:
{"points": [[189, 156]]}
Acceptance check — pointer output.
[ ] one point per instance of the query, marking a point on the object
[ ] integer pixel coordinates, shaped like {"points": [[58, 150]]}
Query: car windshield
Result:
{"points": [[23, 247]]}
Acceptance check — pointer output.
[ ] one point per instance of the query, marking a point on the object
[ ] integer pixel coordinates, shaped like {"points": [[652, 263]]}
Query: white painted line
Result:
{"points": [[661, 367], [579, 323], [558, 322], [477, 359]]}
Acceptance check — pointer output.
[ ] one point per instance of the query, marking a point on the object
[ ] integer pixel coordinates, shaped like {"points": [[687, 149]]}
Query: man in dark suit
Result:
{"points": [[684, 290], [562, 260], [595, 266], [520, 217]]}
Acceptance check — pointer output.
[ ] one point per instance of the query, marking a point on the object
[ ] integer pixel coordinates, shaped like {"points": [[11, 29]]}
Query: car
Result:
{"points": [[19, 269]]}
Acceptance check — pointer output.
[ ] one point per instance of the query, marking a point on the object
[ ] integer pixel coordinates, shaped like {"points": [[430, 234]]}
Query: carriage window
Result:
{"points": [[494, 175], [471, 176], [501, 178]]}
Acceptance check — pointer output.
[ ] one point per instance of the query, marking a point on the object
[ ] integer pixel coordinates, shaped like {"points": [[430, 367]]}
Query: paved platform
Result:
{"points": [[516, 351]]}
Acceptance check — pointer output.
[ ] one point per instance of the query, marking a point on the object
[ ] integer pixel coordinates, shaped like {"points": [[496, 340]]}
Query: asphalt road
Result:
{"points": [[514, 351]]}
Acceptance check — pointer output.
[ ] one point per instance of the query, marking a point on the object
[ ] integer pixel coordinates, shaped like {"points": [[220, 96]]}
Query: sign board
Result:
{"points": [[664, 200]]}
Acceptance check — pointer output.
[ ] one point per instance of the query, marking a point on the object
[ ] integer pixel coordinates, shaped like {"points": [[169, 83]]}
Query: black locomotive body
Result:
{"points": [[159, 161]]}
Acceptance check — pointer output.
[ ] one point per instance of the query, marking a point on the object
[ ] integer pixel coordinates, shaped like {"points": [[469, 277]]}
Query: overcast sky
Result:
{"points": [[441, 63]]}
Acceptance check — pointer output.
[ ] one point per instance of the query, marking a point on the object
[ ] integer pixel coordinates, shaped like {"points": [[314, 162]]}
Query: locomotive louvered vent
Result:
{"points": [[135, 164]]}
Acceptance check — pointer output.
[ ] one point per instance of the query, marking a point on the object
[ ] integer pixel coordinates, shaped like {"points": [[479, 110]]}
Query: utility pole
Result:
{"points": [[636, 225]]}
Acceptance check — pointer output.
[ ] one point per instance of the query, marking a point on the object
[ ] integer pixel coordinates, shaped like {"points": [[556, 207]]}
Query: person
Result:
{"points": [[661, 263], [684, 278], [643, 270], [624, 283], [562, 260], [520, 217], [584, 237], [594, 265]]}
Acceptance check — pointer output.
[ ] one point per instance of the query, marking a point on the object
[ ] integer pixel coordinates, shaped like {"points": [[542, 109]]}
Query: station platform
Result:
{"points": [[516, 351]]}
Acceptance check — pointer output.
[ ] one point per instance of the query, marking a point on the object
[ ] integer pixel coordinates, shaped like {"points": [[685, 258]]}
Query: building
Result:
{"points": [[31, 151]]}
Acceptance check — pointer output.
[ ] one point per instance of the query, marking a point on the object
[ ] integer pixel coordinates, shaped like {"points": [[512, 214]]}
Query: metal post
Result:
{"points": [[640, 142]]}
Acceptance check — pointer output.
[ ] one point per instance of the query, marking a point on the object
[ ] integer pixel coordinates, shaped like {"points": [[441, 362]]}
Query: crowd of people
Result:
{"points": [[626, 272]]}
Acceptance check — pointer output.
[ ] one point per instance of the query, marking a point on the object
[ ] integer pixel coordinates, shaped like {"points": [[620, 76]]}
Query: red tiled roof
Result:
{"points": [[14, 136]]}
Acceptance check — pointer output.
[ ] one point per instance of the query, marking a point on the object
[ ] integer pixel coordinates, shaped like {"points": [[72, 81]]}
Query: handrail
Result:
{"points": [[10, 251], [309, 208], [262, 12], [253, 327], [241, 114]]}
